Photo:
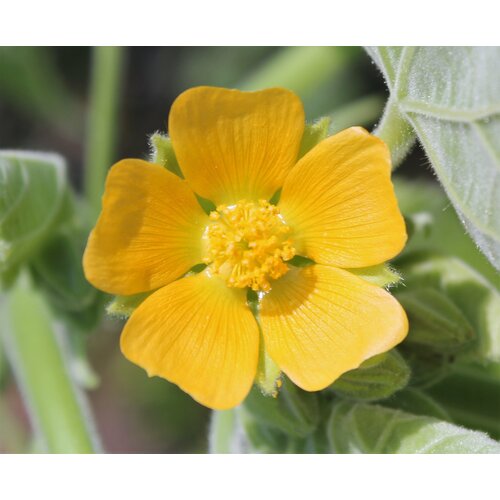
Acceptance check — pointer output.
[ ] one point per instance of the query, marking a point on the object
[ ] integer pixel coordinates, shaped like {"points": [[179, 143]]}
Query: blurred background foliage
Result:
{"points": [[44, 106]]}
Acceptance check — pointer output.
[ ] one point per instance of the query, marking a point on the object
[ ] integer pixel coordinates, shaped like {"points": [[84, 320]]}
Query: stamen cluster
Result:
{"points": [[247, 244]]}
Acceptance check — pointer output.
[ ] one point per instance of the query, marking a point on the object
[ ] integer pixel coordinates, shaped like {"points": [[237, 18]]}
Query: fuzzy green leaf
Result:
{"points": [[365, 428], [451, 98], [33, 191], [57, 271]]}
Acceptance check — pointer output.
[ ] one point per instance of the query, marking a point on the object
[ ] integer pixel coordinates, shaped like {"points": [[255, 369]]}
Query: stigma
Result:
{"points": [[248, 244]]}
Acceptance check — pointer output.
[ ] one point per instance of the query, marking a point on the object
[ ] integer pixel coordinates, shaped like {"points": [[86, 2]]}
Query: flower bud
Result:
{"points": [[377, 378], [435, 321]]}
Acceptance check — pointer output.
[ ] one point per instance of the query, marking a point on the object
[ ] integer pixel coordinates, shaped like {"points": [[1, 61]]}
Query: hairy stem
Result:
{"points": [[105, 90], [57, 408], [221, 431], [396, 132]]}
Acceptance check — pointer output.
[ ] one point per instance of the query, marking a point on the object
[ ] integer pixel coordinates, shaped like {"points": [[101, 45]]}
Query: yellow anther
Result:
{"points": [[246, 244]]}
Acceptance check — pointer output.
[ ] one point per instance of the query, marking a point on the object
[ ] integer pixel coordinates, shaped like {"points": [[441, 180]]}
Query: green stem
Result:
{"points": [[57, 408], [105, 90], [221, 433], [364, 112], [471, 395], [396, 132], [300, 68]]}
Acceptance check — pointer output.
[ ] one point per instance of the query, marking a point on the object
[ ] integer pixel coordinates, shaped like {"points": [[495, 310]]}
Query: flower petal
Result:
{"points": [[149, 231], [340, 202], [234, 145], [319, 322], [198, 334]]}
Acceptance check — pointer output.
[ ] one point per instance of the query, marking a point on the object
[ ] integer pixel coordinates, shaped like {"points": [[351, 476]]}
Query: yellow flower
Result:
{"points": [[337, 207]]}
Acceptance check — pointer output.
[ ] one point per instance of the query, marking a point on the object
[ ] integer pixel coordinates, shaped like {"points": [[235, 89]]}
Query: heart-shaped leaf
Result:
{"points": [[33, 191], [366, 428], [451, 98]]}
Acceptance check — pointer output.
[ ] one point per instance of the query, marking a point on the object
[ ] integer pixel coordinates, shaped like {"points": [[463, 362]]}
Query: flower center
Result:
{"points": [[247, 244]]}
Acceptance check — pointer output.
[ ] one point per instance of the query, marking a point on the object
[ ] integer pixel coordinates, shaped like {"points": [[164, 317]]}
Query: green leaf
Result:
{"points": [[435, 321], [476, 298], [293, 411], [57, 271], [471, 395], [377, 378], [33, 192], [451, 98], [365, 428]]}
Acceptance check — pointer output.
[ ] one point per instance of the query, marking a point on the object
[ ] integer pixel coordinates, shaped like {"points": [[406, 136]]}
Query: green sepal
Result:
{"points": [[314, 133], [268, 373], [33, 197], [162, 153], [268, 376], [381, 275], [122, 306], [435, 321], [377, 378], [293, 411]]}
